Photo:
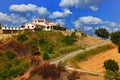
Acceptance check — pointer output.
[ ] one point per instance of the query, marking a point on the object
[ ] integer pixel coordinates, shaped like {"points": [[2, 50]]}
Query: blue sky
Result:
{"points": [[86, 15]]}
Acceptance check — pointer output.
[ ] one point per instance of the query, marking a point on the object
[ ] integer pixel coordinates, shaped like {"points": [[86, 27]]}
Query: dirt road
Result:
{"points": [[72, 54]]}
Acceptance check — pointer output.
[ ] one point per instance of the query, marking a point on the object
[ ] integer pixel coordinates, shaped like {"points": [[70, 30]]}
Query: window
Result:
{"points": [[47, 27]]}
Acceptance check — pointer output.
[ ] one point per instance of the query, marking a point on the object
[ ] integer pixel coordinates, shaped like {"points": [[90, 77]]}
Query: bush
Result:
{"points": [[42, 41], [22, 38], [111, 65], [49, 48], [46, 56], [67, 40], [102, 32], [115, 38], [109, 75], [10, 55]]}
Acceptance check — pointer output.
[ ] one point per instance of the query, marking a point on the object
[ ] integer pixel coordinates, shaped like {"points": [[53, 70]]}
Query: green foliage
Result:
{"points": [[111, 65], [110, 75], [49, 48], [115, 37], [42, 43], [9, 69], [69, 40], [22, 38], [10, 55], [68, 49], [102, 32], [46, 56], [33, 46], [97, 50]]}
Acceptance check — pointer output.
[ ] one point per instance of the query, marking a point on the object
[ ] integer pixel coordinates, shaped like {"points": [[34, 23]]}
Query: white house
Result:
{"points": [[28, 26], [39, 23]]}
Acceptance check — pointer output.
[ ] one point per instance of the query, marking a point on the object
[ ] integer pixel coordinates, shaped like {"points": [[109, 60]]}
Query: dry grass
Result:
{"points": [[95, 63]]}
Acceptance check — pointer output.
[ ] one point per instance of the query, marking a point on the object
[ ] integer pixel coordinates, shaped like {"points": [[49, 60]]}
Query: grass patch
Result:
{"points": [[68, 49], [86, 54]]}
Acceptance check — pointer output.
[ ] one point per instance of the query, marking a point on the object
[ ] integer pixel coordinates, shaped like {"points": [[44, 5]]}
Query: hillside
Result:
{"points": [[44, 46], [95, 63]]}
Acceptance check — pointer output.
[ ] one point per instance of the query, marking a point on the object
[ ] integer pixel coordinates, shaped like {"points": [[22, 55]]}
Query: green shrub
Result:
{"points": [[68, 40], [22, 38], [110, 75], [10, 55], [49, 48], [16, 61], [111, 65], [46, 56], [42, 41]]}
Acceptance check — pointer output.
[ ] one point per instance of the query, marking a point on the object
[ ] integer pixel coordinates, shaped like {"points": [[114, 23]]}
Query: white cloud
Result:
{"points": [[68, 3], [12, 19], [43, 11], [94, 8], [63, 14], [23, 8], [89, 23], [90, 20], [91, 4], [61, 21], [29, 8]]}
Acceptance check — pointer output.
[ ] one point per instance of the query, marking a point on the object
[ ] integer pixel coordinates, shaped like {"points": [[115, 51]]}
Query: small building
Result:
{"points": [[9, 30]]}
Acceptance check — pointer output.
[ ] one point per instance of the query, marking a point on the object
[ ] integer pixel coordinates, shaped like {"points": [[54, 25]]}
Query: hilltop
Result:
{"points": [[45, 45]]}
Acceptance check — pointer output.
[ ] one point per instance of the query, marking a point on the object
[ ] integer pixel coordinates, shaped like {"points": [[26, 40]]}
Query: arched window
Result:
{"points": [[47, 27]]}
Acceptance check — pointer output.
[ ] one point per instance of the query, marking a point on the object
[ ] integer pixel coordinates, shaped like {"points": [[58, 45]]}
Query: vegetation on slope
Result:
{"points": [[44, 44], [11, 66]]}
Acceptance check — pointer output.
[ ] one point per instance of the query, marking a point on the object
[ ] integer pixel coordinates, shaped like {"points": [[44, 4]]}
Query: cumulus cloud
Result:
{"points": [[90, 20], [22, 7], [29, 8], [11, 19], [63, 14], [91, 4], [89, 23]]}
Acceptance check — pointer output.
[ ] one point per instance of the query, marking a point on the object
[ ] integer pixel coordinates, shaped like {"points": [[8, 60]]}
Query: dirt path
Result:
{"points": [[72, 54], [95, 63]]}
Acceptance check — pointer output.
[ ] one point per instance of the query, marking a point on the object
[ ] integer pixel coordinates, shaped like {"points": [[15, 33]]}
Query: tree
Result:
{"points": [[102, 32], [111, 65], [115, 38]]}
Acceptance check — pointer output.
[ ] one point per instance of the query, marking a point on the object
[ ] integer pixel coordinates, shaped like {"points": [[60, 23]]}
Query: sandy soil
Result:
{"points": [[95, 63]]}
